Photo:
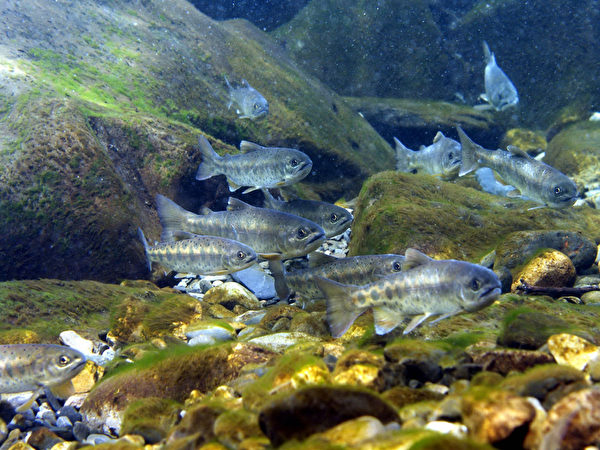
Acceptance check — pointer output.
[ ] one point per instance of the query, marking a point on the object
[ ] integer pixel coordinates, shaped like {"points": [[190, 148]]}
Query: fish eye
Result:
{"points": [[301, 233], [557, 191], [450, 155], [294, 162], [241, 255], [397, 266], [63, 360], [333, 218], [475, 284], [256, 106]]}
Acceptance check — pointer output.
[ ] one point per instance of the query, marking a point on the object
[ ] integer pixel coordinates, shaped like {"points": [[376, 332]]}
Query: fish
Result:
{"points": [[37, 368], [259, 167], [500, 92], [271, 234], [332, 218], [250, 103], [357, 270], [424, 288], [441, 158], [532, 179], [202, 255]]}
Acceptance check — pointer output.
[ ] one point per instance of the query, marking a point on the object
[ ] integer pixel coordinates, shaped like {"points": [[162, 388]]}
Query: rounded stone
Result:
{"points": [[572, 350], [231, 294], [551, 268], [591, 297]]}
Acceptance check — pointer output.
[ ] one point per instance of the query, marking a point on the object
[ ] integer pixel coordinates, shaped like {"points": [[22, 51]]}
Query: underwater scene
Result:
{"points": [[299, 224]]}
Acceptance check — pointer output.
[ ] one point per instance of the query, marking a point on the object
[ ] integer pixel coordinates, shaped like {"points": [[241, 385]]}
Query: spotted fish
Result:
{"points": [[500, 92], [202, 255], [37, 367], [258, 167], [250, 103], [355, 270], [334, 219], [531, 178], [424, 288], [440, 158]]}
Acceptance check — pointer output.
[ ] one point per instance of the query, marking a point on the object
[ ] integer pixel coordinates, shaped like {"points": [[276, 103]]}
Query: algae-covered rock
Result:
{"points": [[519, 247], [170, 375], [350, 46], [151, 418], [315, 409], [527, 140], [196, 426], [230, 295], [232, 427], [401, 396], [505, 361], [572, 350], [495, 416], [96, 121], [575, 151], [395, 211]]}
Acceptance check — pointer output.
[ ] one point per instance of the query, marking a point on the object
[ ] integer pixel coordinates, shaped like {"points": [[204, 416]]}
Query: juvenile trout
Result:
{"points": [[532, 179], [259, 167], [424, 288], [36, 367], [202, 255], [334, 219]]}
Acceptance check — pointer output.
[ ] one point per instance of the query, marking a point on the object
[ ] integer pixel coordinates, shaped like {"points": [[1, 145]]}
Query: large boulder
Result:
{"points": [[97, 119]]}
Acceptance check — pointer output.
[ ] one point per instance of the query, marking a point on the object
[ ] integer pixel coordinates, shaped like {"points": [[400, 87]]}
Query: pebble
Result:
{"points": [[441, 426], [590, 298], [252, 317], [551, 268], [572, 350], [74, 340], [81, 431], [257, 281], [278, 342], [231, 294], [63, 421], [217, 332], [70, 412]]}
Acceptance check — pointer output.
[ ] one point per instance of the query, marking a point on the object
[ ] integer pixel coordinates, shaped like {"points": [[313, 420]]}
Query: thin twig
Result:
{"points": [[525, 288]]}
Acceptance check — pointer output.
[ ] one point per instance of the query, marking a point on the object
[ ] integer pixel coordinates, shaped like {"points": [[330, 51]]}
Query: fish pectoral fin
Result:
{"points": [[445, 316], [536, 207], [439, 135], [317, 259], [232, 185], [416, 321], [483, 107], [251, 189], [483, 96], [385, 319], [25, 406], [514, 193], [278, 272]]}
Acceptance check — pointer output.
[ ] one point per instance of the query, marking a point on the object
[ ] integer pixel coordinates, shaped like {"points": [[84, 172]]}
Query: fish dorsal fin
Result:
{"points": [[205, 210], [235, 204], [414, 258], [385, 319], [422, 147], [438, 136], [245, 83], [317, 259], [176, 235], [516, 151], [247, 146], [513, 193]]}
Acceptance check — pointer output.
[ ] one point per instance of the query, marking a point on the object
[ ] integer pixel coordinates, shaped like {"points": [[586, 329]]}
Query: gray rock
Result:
{"points": [[96, 439], [257, 280], [251, 317], [71, 413], [278, 342], [74, 340], [63, 421], [203, 331], [80, 431]]}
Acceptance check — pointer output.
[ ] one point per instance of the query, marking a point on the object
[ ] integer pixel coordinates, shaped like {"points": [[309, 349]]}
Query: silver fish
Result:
{"points": [[272, 234], [500, 92], [356, 270], [202, 255], [37, 367], [424, 288], [251, 104], [334, 219], [441, 158], [531, 178], [259, 167]]}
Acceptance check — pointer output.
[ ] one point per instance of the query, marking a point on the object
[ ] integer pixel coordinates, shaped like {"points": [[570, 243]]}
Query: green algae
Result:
{"points": [[151, 418], [395, 211]]}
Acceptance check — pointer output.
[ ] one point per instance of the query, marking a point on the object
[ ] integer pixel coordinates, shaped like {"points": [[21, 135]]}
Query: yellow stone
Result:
{"points": [[310, 375], [571, 350], [85, 380], [353, 432], [65, 446], [21, 446], [358, 375]]}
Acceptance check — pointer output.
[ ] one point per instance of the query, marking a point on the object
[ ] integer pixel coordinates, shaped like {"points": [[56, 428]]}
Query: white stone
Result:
{"points": [[454, 429], [73, 340]]}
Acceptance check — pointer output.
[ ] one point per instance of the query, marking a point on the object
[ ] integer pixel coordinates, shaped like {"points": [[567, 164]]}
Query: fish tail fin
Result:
{"points": [[172, 216], [469, 157], [146, 248], [269, 199], [227, 82], [341, 313], [403, 156], [209, 166], [488, 55]]}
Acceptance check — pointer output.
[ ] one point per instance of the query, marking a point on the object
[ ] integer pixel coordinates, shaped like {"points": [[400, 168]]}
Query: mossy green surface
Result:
{"points": [[47, 307], [151, 418], [576, 150], [95, 124], [396, 211]]}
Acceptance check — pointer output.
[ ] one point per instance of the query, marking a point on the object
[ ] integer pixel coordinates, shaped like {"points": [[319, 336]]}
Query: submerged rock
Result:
{"points": [[315, 409], [550, 268]]}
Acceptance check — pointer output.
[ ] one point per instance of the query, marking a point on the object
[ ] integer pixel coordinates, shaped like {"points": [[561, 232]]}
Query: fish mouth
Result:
{"points": [[488, 297], [316, 237], [261, 113], [305, 166]]}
